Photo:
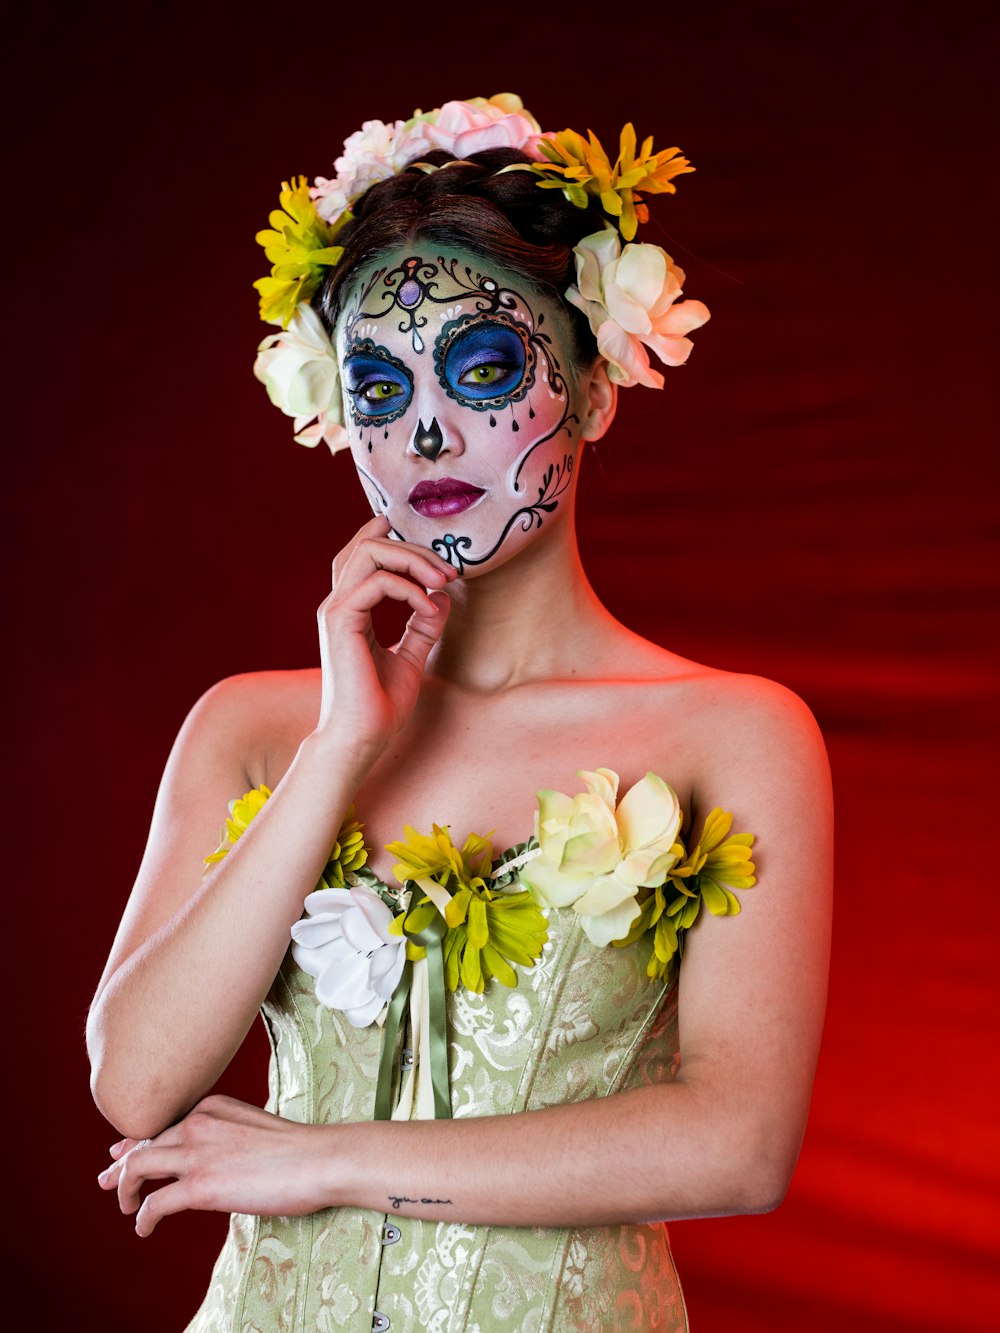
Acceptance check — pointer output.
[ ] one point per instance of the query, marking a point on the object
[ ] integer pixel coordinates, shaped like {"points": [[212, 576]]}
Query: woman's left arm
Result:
{"points": [[722, 1138]]}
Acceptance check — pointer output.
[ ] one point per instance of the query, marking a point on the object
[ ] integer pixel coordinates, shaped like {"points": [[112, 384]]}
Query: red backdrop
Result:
{"points": [[809, 499]]}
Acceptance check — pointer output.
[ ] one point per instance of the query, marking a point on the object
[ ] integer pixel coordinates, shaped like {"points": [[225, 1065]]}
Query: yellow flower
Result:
{"points": [[714, 866], [241, 811], [487, 930], [582, 167], [715, 862], [435, 855], [349, 851], [300, 251]]}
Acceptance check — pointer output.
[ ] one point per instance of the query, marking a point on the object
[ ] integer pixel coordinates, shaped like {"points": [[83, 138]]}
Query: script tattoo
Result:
{"points": [[397, 1199]]}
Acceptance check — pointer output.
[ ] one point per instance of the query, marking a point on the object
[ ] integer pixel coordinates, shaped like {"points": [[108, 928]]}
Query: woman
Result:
{"points": [[472, 294]]}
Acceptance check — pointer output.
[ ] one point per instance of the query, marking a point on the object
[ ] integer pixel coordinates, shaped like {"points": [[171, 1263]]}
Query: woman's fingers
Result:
{"points": [[378, 586], [419, 564], [146, 1161], [375, 527], [372, 548], [224, 1155], [423, 631], [169, 1199]]}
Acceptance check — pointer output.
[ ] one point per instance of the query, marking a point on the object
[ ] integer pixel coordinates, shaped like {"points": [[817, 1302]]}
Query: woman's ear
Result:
{"points": [[600, 401]]}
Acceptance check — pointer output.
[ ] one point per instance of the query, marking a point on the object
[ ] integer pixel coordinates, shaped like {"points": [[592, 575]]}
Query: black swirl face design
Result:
{"points": [[462, 426]]}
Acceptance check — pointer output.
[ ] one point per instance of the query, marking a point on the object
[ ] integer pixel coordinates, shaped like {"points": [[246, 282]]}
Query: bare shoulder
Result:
{"points": [[258, 718], [749, 742], [752, 711], [758, 752]]}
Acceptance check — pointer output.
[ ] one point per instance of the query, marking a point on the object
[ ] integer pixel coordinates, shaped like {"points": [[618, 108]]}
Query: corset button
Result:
{"points": [[390, 1234], [407, 1060], [380, 1322]]}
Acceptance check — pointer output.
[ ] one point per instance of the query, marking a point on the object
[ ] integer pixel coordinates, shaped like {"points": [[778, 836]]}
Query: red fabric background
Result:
{"points": [[809, 499]]}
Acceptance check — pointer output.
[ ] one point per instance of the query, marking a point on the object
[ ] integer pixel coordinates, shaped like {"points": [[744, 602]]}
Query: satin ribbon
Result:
{"points": [[422, 987]]}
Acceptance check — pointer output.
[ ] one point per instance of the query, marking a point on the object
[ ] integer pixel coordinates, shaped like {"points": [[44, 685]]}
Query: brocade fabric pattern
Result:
{"points": [[583, 1022]]}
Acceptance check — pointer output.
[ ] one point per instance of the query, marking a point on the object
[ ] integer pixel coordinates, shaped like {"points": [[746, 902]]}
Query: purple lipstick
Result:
{"points": [[438, 499]]}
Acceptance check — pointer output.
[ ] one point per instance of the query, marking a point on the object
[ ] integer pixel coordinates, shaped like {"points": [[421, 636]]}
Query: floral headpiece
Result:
{"points": [[628, 292]]}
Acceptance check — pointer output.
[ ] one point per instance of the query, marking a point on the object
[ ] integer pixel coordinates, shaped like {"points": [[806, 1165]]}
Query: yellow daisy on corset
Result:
{"points": [[299, 248], [715, 866], [486, 929], [435, 854], [349, 851], [582, 167], [241, 812]]}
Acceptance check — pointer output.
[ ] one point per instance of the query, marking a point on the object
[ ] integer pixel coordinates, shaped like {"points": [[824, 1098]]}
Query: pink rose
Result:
{"points": [[462, 128]]}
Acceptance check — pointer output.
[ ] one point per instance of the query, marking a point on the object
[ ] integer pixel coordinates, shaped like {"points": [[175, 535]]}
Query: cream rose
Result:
{"points": [[628, 297], [298, 368], [595, 854]]}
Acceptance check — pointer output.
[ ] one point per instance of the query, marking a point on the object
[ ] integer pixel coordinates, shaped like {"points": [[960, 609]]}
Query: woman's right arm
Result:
{"points": [[196, 954]]}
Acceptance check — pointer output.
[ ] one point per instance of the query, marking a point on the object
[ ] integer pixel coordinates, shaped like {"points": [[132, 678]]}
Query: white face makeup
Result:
{"points": [[457, 397]]}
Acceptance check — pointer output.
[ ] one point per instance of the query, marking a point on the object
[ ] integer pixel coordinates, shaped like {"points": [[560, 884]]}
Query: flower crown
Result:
{"points": [[627, 292]]}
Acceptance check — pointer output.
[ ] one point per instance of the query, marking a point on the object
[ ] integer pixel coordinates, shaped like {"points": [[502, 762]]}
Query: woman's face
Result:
{"points": [[458, 398]]}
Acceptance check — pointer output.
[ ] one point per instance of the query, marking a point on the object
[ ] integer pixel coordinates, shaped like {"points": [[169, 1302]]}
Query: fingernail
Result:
{"points": [[115, 1149]]}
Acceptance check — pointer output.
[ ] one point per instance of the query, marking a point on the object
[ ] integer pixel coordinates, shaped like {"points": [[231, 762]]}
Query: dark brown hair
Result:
{"points": [[505, 218]]}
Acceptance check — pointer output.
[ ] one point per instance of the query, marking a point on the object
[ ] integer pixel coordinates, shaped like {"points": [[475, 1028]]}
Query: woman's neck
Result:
{"points": [[531, 618]]}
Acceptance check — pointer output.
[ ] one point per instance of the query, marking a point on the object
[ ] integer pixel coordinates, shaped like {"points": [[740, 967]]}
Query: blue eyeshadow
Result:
{"points": [[484, 342], [368, 367]]}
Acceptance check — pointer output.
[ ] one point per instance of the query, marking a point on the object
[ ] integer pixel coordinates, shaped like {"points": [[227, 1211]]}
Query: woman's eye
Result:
{"points": [[378, 384], [381, 392], [482, 362], [486, 374]]}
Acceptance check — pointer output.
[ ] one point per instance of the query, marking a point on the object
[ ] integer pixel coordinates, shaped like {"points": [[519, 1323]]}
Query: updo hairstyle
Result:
{"points": [[506, 219]]}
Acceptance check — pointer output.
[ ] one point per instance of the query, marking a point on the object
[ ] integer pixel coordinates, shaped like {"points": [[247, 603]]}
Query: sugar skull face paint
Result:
{"points": [[458, 404]]}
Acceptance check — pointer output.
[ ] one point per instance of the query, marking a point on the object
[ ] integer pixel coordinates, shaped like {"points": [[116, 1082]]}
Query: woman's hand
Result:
{"points": [[224, 1156], [369, 690]]}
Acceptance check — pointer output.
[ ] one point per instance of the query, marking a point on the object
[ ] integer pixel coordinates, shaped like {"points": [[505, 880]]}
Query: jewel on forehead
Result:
{"points": [[410, 293]]}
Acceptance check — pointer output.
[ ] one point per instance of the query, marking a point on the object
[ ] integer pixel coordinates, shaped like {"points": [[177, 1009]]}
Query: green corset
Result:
{"points": [[584, 1022]]}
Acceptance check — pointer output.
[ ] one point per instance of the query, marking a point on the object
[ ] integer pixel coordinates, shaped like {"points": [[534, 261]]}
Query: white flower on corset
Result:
{"points": [[345, 944]]}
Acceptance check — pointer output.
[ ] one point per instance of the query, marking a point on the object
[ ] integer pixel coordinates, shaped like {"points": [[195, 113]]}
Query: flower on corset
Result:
{"points": [[628, 297], [486, 930], [298, 367], [349, 853], [435, 855], [241, 812], [346, 944], [707, 874], [596, 854], [714, 866], [299, 248]]}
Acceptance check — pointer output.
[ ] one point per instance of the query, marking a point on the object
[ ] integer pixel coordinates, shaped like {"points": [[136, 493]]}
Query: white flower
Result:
{"points": [[298, 367], [373, 153], [628, 296], [594, 855], [345, 944]]}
